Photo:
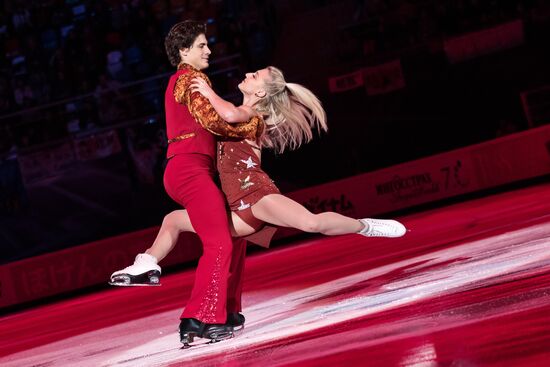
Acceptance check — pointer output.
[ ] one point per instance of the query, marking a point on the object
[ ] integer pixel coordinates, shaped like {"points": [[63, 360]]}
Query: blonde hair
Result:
{"points": [[291, 113]]}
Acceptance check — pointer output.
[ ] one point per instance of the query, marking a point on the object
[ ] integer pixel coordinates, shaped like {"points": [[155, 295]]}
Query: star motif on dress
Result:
{"points": [[243, 206], [249, 162], [246, 183]]}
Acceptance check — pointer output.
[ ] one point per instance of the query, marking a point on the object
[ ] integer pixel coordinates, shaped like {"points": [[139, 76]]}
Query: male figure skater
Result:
{"points": [[192, 124]]}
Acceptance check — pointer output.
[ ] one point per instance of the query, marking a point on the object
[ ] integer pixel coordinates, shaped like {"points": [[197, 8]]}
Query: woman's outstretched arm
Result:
{"points": [[227, 110]]}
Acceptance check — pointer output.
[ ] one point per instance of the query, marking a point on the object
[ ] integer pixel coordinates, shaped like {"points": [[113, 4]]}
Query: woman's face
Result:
{"points": [[254, 83]]}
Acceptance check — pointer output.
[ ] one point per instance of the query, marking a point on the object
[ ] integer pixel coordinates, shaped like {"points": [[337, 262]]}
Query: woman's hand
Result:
{"points": [[201, 86]]}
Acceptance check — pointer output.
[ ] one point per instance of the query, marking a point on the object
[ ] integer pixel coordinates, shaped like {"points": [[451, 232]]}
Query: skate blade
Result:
{"points": [[187, 339], [238, 330], [218, 337], [197, 343], [118, 284], [142, 280]]}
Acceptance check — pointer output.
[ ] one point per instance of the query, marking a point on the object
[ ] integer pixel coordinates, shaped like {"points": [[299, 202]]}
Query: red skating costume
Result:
{"points": [[244, 183]]}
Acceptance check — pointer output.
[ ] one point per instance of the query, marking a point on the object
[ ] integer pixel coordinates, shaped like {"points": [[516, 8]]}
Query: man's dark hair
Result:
{"points": [[182, 35]]}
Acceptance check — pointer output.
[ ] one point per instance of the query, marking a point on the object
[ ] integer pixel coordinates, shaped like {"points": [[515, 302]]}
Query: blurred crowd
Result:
{"points": [[391, 24], [98, 62], [56, 50]]}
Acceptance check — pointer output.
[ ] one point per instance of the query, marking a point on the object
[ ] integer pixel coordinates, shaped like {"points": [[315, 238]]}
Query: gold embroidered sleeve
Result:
{"points": [[182, 84], [204, 113]]}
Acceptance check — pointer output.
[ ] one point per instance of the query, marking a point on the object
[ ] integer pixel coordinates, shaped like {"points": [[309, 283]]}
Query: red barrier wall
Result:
{"points": [[508, 159]]}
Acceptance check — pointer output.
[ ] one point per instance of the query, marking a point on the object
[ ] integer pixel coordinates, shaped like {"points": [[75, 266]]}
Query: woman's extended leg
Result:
{"points": [[173, 224], [177, 222], [145, 269], [282, 211]]}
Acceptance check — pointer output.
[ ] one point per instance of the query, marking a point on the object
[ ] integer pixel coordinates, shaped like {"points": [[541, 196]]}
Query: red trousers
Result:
{"points": [[188, 180]]}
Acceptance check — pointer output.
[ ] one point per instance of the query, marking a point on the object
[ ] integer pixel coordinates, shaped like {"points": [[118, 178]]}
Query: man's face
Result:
{"points": [[197, 55]]}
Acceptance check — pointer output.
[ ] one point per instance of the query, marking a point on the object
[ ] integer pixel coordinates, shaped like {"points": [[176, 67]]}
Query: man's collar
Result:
{"points": [[183, 65]]}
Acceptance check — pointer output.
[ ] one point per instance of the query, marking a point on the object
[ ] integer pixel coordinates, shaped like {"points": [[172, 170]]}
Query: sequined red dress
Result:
{"points": [[244, 183]]}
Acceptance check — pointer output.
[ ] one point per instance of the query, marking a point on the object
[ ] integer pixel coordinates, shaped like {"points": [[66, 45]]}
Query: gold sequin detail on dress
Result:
{"points": [[246, 183]]}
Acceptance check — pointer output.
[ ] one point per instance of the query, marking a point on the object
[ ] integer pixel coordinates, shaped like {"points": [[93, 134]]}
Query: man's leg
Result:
{"points": [[235, 286], [208, 298], [188, 180], [236, 319]]}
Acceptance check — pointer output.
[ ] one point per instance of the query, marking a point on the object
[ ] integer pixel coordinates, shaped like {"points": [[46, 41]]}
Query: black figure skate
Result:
{"points": [[236, 321], [193, 328]]}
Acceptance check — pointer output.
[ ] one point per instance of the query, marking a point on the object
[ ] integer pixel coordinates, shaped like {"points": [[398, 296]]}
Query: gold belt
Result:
{"points": [[181, 137]]}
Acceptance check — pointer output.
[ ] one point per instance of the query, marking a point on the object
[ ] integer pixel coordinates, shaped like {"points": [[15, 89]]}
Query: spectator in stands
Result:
{"points": [[6, 99], [109, 100], [23, 95]]}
